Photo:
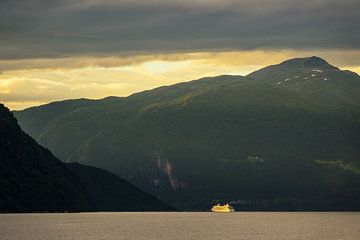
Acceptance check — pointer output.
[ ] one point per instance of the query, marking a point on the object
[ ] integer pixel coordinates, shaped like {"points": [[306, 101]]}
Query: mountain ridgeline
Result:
{"points": [[111, 193], [286, 137], [33, 180]]}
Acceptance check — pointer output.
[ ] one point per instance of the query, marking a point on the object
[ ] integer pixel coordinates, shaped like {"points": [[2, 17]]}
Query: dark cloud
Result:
{"points": [[55, 28]]}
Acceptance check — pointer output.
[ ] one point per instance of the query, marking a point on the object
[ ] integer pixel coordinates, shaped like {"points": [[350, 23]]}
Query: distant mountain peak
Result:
{"points": [[308, 62], [298, 71], [316, 62]]}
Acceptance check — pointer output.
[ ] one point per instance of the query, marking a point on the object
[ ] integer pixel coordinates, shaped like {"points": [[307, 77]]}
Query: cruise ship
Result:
{"points": [[222, 208]]}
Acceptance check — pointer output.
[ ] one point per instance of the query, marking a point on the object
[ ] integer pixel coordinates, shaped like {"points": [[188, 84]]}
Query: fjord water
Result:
{"points": [[183, 225]]}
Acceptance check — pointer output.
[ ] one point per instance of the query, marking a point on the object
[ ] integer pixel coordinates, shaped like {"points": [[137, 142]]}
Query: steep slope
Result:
{"points": [[32, 179], [251, 141], [111, 193]]}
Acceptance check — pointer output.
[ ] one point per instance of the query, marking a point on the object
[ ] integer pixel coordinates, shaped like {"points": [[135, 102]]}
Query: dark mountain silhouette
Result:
{"points": [[33, 180], [111, 193], [285, 137]]}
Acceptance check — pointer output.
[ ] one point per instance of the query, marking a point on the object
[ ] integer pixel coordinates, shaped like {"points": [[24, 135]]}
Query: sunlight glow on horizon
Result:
{"points": [[26, 83]]}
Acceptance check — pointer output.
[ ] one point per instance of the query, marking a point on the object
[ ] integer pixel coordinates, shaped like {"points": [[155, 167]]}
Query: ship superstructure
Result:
{"points": [[222, 208]]}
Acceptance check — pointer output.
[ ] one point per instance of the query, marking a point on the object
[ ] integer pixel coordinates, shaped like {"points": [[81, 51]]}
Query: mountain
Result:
{"points": [[285, 137], [32, 179], [111, 193], [315, 79]]}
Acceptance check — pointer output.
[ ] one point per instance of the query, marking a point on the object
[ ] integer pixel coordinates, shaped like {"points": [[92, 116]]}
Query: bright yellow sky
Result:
{"points": [[25, 83]]}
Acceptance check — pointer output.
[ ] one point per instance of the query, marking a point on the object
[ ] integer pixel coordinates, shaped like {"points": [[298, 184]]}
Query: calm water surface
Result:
{"points": [[240, 225]]}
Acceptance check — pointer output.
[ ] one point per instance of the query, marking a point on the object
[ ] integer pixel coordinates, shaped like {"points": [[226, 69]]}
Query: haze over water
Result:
{"points": [[158, 225]]}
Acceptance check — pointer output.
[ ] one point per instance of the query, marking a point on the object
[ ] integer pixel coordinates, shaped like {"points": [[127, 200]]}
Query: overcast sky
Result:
{"points": [[49, 34], [53, 28]]}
